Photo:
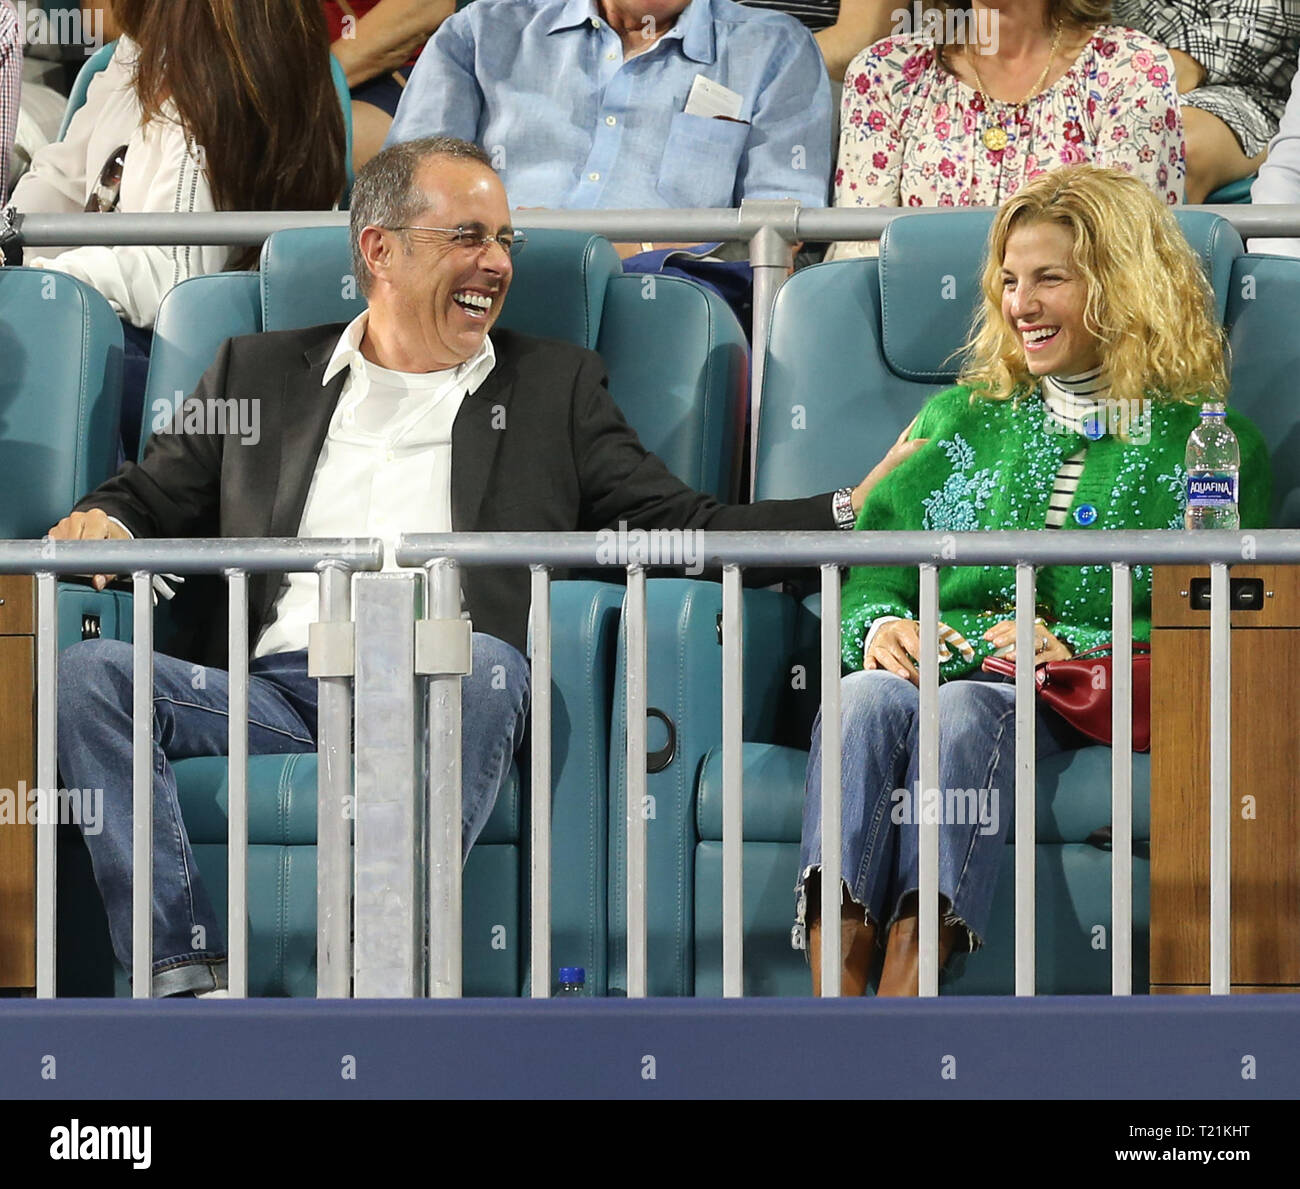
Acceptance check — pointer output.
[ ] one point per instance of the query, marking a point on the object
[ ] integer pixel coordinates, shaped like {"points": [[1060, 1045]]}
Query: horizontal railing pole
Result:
{"points": [[188, 556], [696, 225], [813, 549], [209, 228]]}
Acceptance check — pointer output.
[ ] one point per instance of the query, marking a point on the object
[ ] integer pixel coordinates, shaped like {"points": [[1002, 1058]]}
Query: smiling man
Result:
{"points": [[412, 418]]}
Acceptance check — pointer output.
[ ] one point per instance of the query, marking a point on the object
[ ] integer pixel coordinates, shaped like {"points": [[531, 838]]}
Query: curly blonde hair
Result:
{"points": [[1149, 304]]}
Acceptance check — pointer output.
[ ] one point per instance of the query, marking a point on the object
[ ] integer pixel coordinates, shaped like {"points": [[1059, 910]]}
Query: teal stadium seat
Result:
{"points": [[568, 286], [60, 400], [854, 350], [1234, 193]]}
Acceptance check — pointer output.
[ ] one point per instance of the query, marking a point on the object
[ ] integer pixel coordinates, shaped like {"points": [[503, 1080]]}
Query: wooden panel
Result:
{"points": [[1265, 846], [1170, 607], [1236, 990], [17, 838], [17, 605]]}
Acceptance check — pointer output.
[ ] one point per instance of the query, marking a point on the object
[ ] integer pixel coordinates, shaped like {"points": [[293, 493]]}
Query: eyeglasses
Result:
{"points": [[108, 188], [475, 239]]}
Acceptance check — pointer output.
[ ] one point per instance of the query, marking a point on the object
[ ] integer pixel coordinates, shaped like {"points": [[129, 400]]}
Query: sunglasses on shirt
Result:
{"points": [[108, 189]]}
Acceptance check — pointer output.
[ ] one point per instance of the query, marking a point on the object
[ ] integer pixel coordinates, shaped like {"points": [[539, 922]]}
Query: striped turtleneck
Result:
{"points": [[1075, 404]]}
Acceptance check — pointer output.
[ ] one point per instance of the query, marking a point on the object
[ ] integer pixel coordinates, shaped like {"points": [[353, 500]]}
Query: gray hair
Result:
{"points": [[385, 193]]}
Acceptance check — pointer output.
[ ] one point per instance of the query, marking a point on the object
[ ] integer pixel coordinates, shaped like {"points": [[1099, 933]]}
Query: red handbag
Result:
{"points": [[1079, 690]]}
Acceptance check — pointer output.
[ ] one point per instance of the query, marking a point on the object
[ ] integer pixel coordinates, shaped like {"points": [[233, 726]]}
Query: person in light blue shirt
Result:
{"points": [[594, 103]]}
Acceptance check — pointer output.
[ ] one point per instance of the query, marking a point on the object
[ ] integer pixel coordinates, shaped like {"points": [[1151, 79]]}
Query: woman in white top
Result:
{"points": [[196, 111]]}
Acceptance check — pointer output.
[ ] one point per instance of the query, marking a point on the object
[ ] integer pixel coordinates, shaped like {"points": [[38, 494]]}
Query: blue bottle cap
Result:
{"points": [[573, 974], [1085, 514]]}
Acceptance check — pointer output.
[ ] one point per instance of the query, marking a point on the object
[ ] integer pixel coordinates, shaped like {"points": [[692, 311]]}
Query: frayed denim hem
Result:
{"points": [[972, 940], [799, 933]]}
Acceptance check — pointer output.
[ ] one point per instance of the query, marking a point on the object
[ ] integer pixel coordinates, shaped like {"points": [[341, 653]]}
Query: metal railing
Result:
{"points": [[330, 660], [768, 227], [830, 553], [435, 647]]}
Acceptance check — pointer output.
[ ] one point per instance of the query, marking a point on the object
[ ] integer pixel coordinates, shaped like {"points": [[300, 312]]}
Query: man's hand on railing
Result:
{"points": [[90, 526], [898, 452]]}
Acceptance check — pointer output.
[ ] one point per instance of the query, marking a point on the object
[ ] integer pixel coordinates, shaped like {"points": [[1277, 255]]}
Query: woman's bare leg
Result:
{"points": [[370, 125], [857, 945], [901, 974], [1214, 155]]}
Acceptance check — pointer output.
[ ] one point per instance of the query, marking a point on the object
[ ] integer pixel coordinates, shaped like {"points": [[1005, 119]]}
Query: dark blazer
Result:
{"points": [[540, 446]]}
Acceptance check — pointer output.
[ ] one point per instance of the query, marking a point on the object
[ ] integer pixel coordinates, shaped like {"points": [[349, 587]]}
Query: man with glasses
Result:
{"points": [[410, 419]]}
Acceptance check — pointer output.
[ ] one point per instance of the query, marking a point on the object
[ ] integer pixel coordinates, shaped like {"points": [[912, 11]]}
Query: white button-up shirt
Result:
{"points": [[384, 469]]}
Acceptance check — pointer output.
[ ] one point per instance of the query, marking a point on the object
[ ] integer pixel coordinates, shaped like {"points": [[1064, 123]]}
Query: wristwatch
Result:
{"points": [[842, 507]]}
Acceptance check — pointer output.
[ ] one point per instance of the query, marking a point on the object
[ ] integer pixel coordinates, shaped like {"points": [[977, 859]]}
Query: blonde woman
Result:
{"points": [[964, 111], [1090, 357]]}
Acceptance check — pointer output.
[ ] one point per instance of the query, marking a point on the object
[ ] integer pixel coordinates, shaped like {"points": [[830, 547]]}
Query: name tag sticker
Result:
{"points": [[712, 100]]}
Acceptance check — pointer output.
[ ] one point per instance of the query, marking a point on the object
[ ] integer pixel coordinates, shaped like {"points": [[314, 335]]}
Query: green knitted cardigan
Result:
{"points": [[992, 464]]}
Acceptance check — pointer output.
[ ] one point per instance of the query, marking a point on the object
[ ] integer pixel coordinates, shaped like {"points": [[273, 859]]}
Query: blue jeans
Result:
{"points": [[882, 804], [190, 719]]}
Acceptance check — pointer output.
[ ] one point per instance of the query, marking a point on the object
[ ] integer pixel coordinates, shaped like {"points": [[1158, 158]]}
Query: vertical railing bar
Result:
{"points": [[733, 812], [540, 889], [237, 781], [636, 782], [445, 889], [766, 250], [1121, 781], [333, 803], [832, 789], [1220, 783], [1026, 775], [142, 787], [928, 773], [47, 695]]}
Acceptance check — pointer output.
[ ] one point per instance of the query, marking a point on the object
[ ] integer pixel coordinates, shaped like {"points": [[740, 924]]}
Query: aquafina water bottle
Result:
{"points": [[1213, 461]]}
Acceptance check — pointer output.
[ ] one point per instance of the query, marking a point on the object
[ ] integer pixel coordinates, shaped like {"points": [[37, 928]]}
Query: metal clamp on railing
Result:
{"points": [[331, 650], [443, 648]]}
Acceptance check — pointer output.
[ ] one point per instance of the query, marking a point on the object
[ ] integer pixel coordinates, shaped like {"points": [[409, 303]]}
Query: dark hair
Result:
{"points": [[252, 82], [385, 193]]}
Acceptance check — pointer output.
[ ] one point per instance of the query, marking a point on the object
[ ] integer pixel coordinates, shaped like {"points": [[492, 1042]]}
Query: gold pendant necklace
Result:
{"points": [[995, 136]]}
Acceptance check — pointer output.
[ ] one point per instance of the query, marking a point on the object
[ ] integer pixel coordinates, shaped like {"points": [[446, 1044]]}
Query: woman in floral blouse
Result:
{"points": [[1094, 346], [934, 122]]}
